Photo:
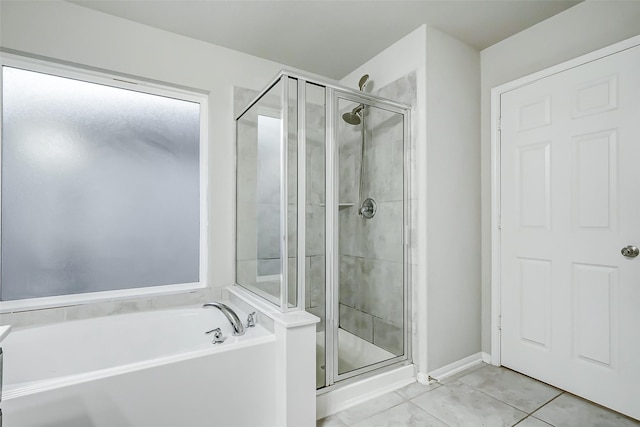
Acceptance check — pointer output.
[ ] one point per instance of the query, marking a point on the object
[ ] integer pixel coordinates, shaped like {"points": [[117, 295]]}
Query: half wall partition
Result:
{"points": [[322, 217]]}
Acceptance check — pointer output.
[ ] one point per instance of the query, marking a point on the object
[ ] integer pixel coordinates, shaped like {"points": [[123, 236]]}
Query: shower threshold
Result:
{"points": [[354, 353]]}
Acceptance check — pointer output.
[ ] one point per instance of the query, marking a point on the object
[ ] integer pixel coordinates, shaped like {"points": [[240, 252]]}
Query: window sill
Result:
{"points": [[87, 298]]}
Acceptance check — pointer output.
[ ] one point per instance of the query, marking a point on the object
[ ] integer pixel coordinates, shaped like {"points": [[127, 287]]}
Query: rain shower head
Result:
{"points": [[354, 117]]}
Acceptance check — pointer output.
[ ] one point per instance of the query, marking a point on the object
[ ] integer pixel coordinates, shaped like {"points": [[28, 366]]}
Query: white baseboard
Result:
{"points": [[352, 394], [486, 358], [458, 366]]}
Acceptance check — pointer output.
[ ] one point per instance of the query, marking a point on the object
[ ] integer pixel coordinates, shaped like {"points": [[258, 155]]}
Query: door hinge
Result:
{"points": [[499, 124], [500, 322], [499, 222]]}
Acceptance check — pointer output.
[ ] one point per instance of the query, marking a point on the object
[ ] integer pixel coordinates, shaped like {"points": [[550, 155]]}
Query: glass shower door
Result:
{"points": [[370, 304]]}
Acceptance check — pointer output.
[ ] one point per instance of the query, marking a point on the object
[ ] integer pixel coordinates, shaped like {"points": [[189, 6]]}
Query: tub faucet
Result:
{"points": [[238, 328]]}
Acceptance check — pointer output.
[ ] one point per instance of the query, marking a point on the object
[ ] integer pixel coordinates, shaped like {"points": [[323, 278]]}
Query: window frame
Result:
{"points": [[137, 84]]}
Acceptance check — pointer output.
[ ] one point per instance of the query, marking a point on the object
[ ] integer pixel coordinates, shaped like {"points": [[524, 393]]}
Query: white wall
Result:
{"points": [[68, 32], [446, 128], [398, 60], [453, 199], [579, 30]]}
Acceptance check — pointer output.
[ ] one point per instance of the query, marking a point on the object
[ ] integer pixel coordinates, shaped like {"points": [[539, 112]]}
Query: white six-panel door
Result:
{"points": [[570, 201]]}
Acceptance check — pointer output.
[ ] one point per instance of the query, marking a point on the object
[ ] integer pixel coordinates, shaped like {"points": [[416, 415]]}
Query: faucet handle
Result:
{"points": [[217, 335], [252, 319]]}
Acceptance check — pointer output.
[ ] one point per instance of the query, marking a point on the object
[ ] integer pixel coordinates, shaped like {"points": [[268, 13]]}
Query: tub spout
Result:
{"points": [[238, 328]]}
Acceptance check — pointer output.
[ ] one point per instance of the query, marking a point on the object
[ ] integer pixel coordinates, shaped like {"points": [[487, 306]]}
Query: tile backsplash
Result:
{"points": [[108, 308]]}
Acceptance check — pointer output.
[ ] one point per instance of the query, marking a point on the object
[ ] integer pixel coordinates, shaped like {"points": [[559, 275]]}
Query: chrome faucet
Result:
{"points": [[238, 328]]}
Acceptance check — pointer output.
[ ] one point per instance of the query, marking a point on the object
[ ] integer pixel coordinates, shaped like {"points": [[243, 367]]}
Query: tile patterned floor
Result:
{"points": [[480, 396]]}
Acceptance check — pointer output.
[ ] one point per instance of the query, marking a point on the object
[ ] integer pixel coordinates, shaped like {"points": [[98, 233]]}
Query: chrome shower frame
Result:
{"points": [[333, 93]]}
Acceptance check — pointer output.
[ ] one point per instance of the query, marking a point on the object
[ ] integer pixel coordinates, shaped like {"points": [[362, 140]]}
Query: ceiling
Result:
{"points": [[330, 38]]}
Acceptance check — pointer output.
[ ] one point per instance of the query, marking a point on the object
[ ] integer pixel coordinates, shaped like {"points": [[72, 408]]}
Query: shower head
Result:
{"points": [[363, 82], [354, 117], [351, 118]]}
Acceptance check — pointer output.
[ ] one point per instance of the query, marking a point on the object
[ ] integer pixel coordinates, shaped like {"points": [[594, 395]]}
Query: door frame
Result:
{"points": [[496, 243]]}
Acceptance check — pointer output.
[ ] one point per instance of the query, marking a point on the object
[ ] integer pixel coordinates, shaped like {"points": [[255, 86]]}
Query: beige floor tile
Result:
{"points": [[416, 389], [511, 387], [532, 422], [569, 411], [369, 408], [458, 404], [330, 421], [406, 414]]}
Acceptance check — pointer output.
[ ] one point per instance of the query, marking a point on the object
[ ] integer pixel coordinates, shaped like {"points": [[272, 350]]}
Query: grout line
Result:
{"points": [[508, 404], [494, 398], [417, 395], [404, 400], [597, 405], [433, 415], [515, 407], [527, 415], [547, 402], [372, 415], [531, 416]]}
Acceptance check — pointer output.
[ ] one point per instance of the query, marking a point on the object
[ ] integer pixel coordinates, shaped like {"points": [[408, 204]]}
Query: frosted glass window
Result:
{"points": [[100, 187]]}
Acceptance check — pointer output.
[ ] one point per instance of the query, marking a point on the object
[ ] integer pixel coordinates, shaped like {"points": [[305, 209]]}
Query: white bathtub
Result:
{"points": [[137, 370]]}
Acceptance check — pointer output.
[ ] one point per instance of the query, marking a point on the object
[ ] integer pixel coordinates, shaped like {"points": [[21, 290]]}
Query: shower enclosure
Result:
{"points": [[322, 217]]}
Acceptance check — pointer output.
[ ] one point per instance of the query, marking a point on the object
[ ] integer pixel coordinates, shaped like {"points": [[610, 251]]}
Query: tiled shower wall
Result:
{"points": [[371, 250]]}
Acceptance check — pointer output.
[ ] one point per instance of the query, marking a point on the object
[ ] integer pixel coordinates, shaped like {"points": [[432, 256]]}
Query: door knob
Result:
{"points": [[630, 251]]}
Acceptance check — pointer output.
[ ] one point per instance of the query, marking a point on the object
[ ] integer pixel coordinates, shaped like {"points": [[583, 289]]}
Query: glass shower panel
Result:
{"points": [[315, 252], [258, 196], [371, 223]]}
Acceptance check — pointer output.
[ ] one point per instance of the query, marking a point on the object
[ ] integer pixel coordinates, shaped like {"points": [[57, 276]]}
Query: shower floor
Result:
{"points": [[353, 353]]}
